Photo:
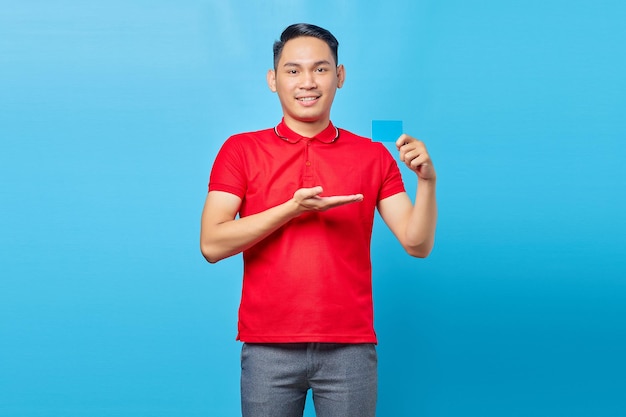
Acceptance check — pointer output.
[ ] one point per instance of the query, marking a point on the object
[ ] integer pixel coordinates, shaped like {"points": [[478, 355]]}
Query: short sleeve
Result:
{"points": [[228, 173], [391, 178]]}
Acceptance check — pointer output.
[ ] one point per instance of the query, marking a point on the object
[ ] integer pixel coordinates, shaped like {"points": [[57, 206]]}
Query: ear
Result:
{"points": [[271, 80], [341, 75]]}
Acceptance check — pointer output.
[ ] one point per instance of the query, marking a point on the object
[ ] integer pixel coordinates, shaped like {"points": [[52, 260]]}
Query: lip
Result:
{"points": [[307, 101]]}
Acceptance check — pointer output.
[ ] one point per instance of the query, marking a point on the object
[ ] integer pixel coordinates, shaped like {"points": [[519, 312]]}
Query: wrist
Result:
{"points": [[427, 181], [293, 208]]}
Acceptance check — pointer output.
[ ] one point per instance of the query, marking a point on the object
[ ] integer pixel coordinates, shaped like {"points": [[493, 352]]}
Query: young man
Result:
{"points": [[306, 193]]}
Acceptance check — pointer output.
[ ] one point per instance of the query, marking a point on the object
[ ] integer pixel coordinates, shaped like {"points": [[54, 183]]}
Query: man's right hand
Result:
{"points": [[309, 199]]}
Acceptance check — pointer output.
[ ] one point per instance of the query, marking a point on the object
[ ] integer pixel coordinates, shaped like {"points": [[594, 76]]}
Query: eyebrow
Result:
{"points": [[315, 64]]}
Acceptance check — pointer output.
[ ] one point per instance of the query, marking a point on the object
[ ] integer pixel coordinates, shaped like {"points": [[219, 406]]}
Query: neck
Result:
{"points": [[307, 129]]}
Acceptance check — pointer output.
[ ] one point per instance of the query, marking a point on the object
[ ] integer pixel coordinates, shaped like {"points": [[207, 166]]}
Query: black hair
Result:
{"points": [[305, 29]]}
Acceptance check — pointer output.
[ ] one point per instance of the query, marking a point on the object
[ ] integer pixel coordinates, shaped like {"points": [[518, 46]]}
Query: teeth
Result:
{"points": [[307, 98]]}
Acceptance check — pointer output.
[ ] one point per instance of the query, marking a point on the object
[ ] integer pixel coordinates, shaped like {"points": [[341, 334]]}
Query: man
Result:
{"points": [[305, 193]]}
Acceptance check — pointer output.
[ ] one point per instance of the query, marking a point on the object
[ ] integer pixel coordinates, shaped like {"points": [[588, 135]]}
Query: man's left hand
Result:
{"points": [[414, 154]]}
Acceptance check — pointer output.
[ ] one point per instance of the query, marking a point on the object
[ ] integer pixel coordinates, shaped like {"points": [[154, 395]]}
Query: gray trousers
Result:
{"points": [[275, 379]]}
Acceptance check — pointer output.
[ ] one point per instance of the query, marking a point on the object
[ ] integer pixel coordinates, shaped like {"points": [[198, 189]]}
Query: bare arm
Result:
{"points": [[222, 235], [414, 224]]}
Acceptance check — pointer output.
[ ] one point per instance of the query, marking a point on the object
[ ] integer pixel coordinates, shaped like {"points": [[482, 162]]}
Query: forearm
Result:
{"points": [[223, 235], [230, 237], [420, 229]]}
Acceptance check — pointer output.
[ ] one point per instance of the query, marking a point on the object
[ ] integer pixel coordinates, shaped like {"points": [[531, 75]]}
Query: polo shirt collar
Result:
{"points": [[328, 135]]}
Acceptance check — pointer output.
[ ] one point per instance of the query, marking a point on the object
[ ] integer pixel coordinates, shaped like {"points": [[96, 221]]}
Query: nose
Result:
{"points": [[308, 80]]}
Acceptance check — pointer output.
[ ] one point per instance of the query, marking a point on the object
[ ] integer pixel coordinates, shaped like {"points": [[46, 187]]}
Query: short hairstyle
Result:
{"points": [[305, 29]]}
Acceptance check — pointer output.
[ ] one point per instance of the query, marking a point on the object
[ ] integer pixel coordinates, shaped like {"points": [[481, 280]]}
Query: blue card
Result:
{"points": [[386, 130]]}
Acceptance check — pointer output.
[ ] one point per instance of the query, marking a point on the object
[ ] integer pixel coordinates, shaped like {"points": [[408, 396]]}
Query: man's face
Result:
{"points": [[306, 79]]}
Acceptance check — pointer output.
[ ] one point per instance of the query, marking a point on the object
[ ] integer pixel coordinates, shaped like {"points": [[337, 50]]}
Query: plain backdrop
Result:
{"points": [[111, 113]]}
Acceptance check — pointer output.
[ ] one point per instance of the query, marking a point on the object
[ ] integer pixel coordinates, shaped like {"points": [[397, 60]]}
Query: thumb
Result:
{"points": [[312, 192], [304, 193]]}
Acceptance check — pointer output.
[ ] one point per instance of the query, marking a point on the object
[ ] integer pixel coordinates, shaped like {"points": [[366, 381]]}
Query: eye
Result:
{"points": [[322, 69]]}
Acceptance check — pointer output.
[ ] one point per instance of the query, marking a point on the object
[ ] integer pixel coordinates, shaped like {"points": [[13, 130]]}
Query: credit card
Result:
{"points": [[386, 130]]}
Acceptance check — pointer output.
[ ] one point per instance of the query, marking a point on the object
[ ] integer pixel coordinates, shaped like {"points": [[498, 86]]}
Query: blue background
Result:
{"points": [[111, 113]]}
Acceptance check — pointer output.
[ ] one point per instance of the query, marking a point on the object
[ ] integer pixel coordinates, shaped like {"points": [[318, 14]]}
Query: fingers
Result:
{"points": [[326, 203], [414, 154], [414, 160], [309, 199], [403, 140], [412, 151]]}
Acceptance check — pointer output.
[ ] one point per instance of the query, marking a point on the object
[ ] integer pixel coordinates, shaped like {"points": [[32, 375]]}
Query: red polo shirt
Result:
{"points": [[309, 281]]}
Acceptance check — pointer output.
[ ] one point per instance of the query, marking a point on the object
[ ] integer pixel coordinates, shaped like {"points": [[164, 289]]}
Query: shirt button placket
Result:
{"points": [[308, 170]]}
